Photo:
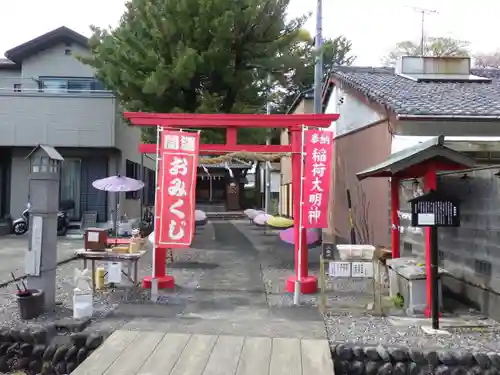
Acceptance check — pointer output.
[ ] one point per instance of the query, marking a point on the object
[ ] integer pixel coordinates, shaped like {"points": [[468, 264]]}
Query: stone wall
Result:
{"points": [[36, 352], [358, 360], [470, 253]]}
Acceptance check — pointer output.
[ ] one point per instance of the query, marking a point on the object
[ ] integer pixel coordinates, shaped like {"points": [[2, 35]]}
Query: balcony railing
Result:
{"points": [[59, 86], [36, 92]]}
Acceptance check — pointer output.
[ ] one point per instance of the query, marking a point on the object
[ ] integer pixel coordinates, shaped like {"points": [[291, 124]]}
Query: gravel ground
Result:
{"points": [[9, 315], [372, 330], [347, 319]]}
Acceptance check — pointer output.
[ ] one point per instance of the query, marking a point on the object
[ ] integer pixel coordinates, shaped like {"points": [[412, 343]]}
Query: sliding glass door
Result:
{"points": [[71, 179]]}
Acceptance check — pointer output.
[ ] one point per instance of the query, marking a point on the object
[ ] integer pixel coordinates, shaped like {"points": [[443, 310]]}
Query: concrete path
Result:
{"points": [[224, 286], [156, 353], [12, 253]]}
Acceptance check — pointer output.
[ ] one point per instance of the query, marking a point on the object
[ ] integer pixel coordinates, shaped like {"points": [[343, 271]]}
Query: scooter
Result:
{"points": [[20, 226], [62, 216]]}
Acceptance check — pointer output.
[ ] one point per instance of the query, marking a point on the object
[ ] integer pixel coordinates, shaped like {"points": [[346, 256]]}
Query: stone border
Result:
{"points": [[35, 351], [352, 359]]}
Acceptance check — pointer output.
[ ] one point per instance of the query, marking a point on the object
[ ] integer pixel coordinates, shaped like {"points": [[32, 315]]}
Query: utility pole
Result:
{"points": [[318, 68], [267, 169], [423, 12]]}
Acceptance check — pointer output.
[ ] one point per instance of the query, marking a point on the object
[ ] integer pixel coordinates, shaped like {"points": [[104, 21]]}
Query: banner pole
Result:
{"points": [[297, 289], [154, 280]]}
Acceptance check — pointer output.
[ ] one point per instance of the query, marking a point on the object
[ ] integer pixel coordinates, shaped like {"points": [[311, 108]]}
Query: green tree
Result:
{"points": [[299, 65], [194, 56], [436, 47]]}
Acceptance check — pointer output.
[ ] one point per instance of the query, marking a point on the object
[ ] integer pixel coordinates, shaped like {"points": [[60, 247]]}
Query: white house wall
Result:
{"points": [[8, 78], [354, 114], [275, 181], [56, 63], [362, 140]]}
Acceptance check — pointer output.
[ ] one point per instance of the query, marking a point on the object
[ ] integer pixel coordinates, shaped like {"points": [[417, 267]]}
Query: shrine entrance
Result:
{"points": [[231, 123], [220, 187]]}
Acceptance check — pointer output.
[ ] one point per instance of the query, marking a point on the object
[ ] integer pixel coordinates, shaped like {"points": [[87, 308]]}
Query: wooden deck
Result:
{"points": [[154, 353]]}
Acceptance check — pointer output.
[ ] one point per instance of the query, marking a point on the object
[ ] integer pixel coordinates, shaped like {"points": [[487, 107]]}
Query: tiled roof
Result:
{"points": [[59, 35], [407, 97], [307, 94], [7, 64]]}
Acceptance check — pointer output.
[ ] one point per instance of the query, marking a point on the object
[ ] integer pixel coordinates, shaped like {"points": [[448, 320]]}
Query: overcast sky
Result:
{"points": [[372, 26]]}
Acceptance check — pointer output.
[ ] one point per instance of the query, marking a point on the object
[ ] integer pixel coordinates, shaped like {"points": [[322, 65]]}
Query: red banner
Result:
{"points": [[318, 149], [175, 198]]}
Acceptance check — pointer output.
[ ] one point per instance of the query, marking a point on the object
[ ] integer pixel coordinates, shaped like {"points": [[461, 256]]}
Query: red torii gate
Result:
{"points": [[231, 122]]}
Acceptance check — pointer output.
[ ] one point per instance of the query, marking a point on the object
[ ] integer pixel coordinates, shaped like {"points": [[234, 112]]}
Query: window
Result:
{"points": [[53, 85], [149, 177], [98, 86], [79, 85], [132, 171], [69, 84]]}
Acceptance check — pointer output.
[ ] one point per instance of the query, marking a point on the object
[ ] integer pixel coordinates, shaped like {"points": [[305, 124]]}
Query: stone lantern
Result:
{"points": [[41, 257]]}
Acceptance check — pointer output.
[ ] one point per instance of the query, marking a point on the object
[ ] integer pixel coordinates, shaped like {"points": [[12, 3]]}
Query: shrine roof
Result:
{"points": [[433, 149]]}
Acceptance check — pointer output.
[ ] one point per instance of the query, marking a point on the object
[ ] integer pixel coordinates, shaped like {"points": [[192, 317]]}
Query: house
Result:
{"points": [[303, 104], [47, 96], [383, 110]]}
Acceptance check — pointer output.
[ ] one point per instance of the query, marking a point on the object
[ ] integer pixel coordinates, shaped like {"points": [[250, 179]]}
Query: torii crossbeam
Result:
{"points": [[231, 122]]}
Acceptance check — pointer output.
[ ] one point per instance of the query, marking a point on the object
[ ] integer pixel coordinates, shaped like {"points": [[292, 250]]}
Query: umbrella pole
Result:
{"points": [[154, 280], [115, 224]]}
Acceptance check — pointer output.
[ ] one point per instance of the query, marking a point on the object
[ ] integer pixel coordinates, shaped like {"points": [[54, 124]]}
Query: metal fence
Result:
{"points": [[354, 285]]}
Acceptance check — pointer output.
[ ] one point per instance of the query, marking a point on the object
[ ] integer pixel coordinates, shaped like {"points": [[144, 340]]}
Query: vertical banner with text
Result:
{"points": [[318, 149], [175, 197]]}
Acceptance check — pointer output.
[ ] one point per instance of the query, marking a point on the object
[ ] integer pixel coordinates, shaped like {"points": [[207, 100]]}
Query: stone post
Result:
{"points": [[41, 257]]}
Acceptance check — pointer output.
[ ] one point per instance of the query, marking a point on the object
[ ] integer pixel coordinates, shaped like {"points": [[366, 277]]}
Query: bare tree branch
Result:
{"points": [[435, 47], [487, 61]]}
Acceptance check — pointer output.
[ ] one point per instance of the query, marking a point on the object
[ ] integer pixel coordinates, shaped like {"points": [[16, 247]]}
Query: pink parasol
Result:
{"points": [[254, 213], [261, 219], [117, 184], [313, 237], [248, 211]]}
